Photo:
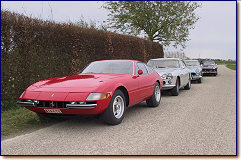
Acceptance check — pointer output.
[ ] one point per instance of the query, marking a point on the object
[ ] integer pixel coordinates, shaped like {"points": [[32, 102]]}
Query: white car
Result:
{"points": [[196, 70], [174, 73]]}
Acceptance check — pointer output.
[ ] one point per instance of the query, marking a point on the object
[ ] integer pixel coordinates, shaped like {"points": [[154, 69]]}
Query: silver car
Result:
{"points": [[174, 73], [196, 70]]}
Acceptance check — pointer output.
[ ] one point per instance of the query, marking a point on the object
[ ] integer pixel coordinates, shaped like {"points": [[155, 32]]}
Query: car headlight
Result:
{"points": [[22, 94], [97, 96], [169, 75], [164, 76]]}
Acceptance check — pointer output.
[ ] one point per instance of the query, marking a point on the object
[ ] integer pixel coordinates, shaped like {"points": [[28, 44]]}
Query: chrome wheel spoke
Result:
{"points": [[118, 106], [157, 93]]}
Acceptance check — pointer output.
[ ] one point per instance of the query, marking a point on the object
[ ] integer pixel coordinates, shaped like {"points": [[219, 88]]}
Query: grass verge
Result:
{"points": [[19, 120], [231, 66]]}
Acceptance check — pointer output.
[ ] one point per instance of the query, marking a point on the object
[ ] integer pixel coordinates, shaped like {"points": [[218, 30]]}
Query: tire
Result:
{"points": [[199, 80], [175, 90], [188, 86], [155, 99], [115, 116]]}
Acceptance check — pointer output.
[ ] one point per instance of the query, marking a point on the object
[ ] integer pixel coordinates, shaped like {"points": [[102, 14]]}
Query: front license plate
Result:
{"points": [[52, 110]]}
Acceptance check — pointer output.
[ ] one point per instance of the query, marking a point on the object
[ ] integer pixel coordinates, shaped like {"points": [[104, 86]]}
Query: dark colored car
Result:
{"points": [[209, 67]]}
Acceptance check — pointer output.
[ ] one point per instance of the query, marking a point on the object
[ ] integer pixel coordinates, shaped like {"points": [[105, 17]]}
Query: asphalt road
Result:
{"points": [[201, 121]]}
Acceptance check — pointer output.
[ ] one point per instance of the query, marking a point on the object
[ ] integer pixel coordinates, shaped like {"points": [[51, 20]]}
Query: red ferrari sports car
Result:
{"points": [[104, 88]]}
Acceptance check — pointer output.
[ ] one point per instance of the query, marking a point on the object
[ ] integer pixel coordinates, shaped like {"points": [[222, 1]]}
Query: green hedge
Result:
{"points": [[32, 50]]}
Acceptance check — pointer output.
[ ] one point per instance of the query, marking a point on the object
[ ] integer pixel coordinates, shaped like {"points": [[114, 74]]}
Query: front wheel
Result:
{"points": [[114, 113], [188, 86], [199, 80], [175, 90], [155, 99]]}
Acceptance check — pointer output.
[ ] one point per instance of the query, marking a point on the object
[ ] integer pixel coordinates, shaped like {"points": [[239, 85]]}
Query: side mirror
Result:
{"points": [[140, 72]]}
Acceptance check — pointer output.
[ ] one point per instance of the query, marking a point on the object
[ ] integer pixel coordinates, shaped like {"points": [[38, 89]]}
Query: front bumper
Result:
{"points": [[167, 84], [195, 77], [209, 71], [96, 107]]}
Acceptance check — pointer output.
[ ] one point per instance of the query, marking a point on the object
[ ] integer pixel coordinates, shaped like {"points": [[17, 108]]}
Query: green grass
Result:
{"points": [[16, 120], [225, 62], [231, 66]]}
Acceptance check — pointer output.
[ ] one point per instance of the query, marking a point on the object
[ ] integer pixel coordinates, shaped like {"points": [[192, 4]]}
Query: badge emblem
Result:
{"points": [[52, 95], [52, 104]]}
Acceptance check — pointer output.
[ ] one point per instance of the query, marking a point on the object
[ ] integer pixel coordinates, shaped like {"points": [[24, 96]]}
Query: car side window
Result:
{"points": [[142, 67], [182, 65], [149, 69]]}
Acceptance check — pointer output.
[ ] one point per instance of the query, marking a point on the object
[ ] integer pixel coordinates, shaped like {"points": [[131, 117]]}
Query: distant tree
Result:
{"points": [[160, 21], [176, 54]]}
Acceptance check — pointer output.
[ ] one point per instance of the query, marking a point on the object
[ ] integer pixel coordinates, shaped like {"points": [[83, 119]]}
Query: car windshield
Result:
{"points": [[110, 66], [163, 63], [208, 62], [192, 63]]}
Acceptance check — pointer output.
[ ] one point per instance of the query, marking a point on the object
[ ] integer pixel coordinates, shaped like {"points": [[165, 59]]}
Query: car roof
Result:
{"points": [[178, 59]]}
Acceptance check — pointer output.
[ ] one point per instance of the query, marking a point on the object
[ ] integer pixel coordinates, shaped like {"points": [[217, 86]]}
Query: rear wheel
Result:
{"points": [[155, 99], [188, 86], [175, 90], [199, 80], [114, 113]]}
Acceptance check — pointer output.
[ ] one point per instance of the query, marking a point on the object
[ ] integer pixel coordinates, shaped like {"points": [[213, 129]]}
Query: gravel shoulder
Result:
{"points": [[201, 121]]}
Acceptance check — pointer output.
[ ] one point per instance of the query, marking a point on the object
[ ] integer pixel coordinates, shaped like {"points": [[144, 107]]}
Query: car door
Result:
{"points": [[186, 73], [183, 74], [145, 81]]}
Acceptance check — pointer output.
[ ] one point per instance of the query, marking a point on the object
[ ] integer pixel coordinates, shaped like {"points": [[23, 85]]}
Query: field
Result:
{"points": [[19, 120], [229, 64]]}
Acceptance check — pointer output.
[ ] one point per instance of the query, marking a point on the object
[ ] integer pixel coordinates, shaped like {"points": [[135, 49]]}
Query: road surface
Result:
{"points": [[200, 121]]}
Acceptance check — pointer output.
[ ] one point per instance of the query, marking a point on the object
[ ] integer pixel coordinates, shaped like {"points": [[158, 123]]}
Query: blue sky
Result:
{"points": [[214, 35]]}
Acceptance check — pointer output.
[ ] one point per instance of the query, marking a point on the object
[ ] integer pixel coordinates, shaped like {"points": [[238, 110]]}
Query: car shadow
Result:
{"points": [[94, 120], [209, 75], [75, 121]]}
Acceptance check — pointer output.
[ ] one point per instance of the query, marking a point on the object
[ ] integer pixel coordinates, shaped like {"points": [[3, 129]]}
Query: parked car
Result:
{"points": [[209, 67], [104, 88], [196, 70], [174, 73]]}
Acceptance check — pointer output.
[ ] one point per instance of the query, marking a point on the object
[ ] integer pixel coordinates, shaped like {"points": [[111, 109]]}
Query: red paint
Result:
{"points": [[78, 87]]}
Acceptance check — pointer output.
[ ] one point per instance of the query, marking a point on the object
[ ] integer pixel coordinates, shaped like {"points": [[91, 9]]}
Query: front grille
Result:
{"points": [[209, 70], [52, 104]]}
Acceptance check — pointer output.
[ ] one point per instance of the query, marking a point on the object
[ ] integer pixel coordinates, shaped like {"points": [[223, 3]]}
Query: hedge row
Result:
{"points": [[33, 50]]}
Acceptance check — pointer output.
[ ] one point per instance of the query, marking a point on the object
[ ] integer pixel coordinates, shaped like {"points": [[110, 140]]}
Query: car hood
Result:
{"points": [[77, 83], [162, 71], [194, 69]]}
